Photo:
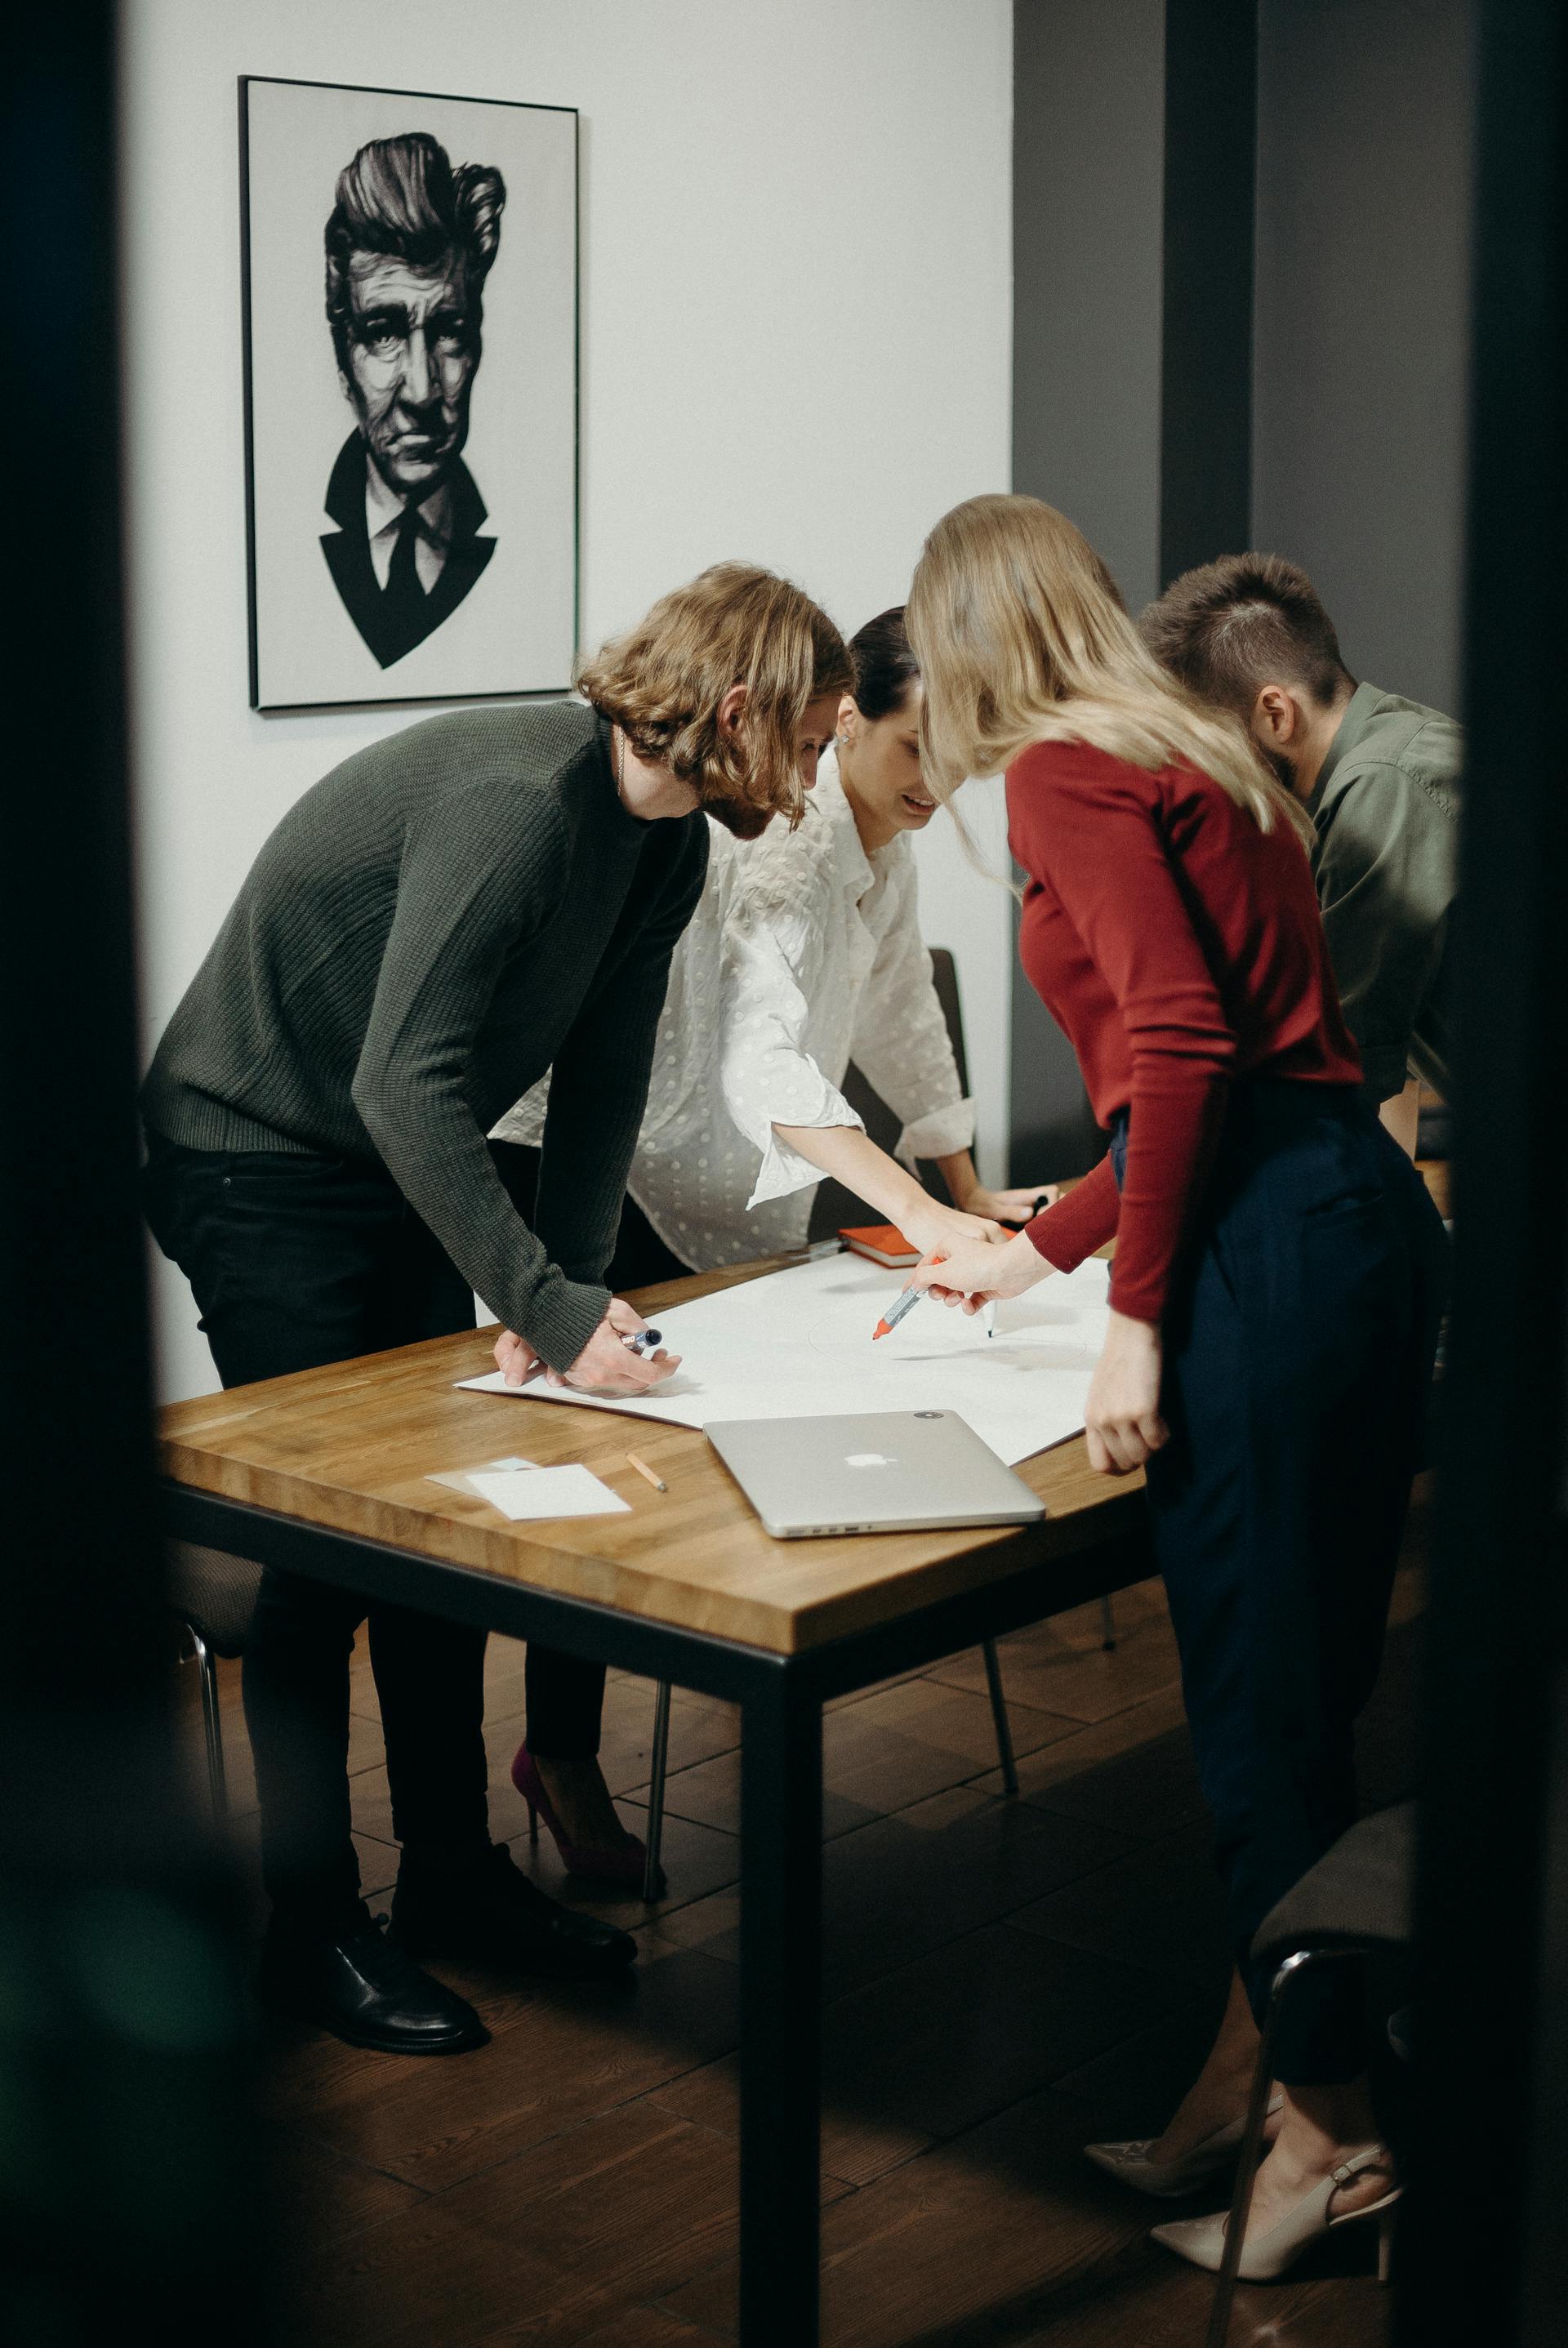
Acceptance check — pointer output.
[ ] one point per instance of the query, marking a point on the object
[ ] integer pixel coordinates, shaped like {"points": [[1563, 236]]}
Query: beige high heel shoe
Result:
{"points": [[1169, 2181], [1265, 2256]]}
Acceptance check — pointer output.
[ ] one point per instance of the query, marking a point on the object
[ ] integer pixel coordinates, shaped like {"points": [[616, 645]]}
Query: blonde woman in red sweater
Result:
{"points": [[1278, 1273]]}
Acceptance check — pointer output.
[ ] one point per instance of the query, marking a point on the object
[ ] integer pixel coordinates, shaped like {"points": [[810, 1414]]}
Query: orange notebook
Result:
{"points": [[884, 1243]]}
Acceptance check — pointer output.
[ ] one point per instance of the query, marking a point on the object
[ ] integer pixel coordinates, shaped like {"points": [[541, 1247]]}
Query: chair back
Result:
{"points": [[1361, 1891], [216, 1592], [834, 1208]]}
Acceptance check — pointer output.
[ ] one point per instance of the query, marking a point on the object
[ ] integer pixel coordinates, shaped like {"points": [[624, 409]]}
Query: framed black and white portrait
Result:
{"points": [[410, 300]]}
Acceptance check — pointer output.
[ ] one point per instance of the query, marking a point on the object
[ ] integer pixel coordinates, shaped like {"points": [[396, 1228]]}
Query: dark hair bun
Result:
{"points": [[885, 667]]}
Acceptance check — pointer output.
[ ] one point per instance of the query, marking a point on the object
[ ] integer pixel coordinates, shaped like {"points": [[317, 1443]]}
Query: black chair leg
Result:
{"points": [[1251, 2155], [212, 1723], [1004, 1726]]}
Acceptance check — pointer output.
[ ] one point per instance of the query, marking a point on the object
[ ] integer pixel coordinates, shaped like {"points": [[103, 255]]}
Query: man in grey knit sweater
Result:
{"points": [[446, 915], [463, 905]]}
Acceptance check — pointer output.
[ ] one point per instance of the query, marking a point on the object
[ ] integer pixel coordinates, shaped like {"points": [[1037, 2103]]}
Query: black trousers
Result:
{"points": [[1298, 1349], [297, 1262], [565, 1695]]}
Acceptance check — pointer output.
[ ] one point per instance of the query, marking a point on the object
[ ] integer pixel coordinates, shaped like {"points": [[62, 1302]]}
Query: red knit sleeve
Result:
{"points": [[1089, 826], [1081, 1221]]}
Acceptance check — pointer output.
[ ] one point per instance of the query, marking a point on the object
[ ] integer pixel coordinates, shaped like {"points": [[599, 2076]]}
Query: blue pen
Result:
{"points": [[637, 1340]]}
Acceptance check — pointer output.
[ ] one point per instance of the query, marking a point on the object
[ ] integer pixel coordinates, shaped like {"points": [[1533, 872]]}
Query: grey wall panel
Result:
{"points": [[1365, 131], [1088, 201], [1087, 176]]}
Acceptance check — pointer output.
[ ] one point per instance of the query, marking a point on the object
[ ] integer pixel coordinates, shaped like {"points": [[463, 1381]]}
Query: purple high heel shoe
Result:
{"points": [[621, 1864]]}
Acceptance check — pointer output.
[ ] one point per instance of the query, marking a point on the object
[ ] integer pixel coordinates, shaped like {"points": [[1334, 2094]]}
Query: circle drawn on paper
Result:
{"points": [[934, 1342]]}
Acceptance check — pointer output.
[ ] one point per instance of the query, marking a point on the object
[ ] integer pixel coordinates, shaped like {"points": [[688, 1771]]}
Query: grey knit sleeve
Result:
{"points": [[599, 1082], [475, 883]]}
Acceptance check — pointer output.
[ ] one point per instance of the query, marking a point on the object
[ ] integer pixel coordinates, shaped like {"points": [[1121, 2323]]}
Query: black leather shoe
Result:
{"points": [[348, 1977], [496, 1912]]}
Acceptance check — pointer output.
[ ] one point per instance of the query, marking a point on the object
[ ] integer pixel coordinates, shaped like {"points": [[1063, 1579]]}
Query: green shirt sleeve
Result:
{"points": [[1385, 870]]}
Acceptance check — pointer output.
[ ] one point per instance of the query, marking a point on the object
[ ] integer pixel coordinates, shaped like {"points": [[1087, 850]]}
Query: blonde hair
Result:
{"points": [[1022, 637], [662, 683]]}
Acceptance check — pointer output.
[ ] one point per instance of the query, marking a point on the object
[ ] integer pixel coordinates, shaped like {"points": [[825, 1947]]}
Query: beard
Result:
{"points": [[744, 818], [1284, 771]]}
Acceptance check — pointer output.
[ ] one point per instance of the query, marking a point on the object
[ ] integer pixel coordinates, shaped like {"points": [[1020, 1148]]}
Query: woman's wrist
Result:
{"points": [[1131, 1332], [1021, 1265], [905, 1201]]}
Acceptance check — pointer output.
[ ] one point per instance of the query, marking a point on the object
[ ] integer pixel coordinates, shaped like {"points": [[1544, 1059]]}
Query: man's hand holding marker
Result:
{"points": [[621, 1357]]}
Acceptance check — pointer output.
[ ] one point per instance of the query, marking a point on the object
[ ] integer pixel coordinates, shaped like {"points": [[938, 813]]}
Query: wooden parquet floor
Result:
{"points": [[1005, 1980]]}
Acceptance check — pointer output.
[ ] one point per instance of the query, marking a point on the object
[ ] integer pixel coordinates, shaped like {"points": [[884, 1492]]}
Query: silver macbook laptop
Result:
{"points": [[887, 1471]]}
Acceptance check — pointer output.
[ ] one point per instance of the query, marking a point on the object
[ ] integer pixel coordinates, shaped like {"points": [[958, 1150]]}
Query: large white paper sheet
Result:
{"points": [[797, 1344]]}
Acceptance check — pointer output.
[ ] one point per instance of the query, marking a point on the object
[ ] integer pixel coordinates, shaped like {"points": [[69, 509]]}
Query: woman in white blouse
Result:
{"points": [[805, 952]]}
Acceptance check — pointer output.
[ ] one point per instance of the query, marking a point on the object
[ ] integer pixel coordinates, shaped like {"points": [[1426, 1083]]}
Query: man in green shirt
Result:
{"points": [[1380, 777]]}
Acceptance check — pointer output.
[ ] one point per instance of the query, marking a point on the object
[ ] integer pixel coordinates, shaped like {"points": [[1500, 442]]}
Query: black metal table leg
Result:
{"points": [[781, 2007]]}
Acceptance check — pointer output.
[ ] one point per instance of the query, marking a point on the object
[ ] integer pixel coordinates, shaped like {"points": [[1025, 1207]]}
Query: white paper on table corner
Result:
{"points": [[532, 1493], [797, 1344], [458, 1479]]}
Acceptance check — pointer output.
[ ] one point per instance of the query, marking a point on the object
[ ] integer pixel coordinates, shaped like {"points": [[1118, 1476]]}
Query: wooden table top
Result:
{"points": [[352, 1448]]}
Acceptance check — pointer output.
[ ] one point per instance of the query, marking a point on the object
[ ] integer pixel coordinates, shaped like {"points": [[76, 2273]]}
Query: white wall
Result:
{"points": [[796, 349]]}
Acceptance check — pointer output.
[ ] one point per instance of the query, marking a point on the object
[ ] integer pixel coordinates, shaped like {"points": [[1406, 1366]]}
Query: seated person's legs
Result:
{"points": [[558, 1759]]}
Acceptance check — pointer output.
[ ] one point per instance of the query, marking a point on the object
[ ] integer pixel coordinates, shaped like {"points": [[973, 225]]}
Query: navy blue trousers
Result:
{"points": [[1298, 1347]]}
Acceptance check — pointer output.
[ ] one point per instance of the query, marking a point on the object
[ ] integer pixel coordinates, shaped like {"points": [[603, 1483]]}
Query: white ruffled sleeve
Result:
{"points": [[767, 1075], [901, 1044]]}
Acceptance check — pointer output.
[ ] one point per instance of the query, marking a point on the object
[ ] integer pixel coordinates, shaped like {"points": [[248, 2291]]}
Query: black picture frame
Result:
{"points": [[524, 652]]}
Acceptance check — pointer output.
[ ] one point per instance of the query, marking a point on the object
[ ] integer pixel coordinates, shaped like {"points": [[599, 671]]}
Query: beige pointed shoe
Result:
{"points": [[1266, 2257], [1171, 2180]]}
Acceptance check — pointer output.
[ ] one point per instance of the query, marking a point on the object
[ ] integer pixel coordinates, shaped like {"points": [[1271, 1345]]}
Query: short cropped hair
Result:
{"points": [[1247, 621], [401, 196], [663, 682]]}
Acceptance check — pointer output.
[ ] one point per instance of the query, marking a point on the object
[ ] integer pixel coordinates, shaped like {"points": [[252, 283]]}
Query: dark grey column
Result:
{"points": [[1206, 385]]}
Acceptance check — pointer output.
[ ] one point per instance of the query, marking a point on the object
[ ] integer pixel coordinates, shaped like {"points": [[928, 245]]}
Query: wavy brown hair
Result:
{"points": [[402, 195], [1022, 637], [662, 683]]}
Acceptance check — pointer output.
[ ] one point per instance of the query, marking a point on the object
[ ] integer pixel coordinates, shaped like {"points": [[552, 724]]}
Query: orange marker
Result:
{"points": [[906, 1303]]}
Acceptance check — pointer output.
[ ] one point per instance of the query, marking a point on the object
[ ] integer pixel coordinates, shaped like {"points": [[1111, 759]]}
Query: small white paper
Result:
{"points": [[549, 1492], [460, 1479]]}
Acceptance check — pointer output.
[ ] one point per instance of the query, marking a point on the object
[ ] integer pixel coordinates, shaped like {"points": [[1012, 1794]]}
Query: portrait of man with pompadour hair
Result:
{"points": [[409, 244], [413, 527]]}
